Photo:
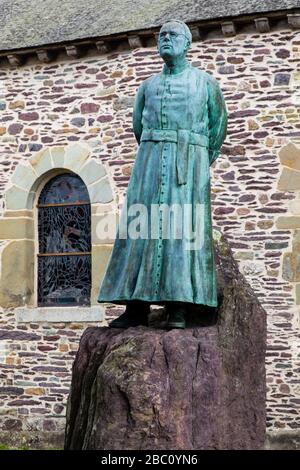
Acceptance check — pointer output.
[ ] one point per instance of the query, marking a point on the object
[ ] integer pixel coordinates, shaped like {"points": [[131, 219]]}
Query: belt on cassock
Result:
{"points": [[183, 138]]}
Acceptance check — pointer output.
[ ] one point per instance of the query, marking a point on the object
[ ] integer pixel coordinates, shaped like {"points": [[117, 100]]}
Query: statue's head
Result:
{"points": [[174, 39]]}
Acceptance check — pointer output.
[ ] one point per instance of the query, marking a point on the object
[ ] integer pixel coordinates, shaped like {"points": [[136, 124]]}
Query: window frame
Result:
{"points": [[37, 253]]}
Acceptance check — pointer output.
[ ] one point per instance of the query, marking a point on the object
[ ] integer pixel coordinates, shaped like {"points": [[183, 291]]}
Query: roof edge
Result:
{"points": [[229, 26]]}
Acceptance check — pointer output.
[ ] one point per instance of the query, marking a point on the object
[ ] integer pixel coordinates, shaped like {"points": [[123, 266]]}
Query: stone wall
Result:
{"points": [[255, 192]]}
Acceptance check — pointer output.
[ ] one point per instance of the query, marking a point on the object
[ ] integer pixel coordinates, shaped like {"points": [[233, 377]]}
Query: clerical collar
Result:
{"points": [[180, 69]]}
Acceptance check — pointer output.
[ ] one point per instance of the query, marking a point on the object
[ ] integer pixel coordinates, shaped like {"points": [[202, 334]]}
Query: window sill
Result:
{"points": [[60, 314]]}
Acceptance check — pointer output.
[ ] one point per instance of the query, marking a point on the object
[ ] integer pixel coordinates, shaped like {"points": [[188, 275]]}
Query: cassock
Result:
{"points": [[180, 123]]}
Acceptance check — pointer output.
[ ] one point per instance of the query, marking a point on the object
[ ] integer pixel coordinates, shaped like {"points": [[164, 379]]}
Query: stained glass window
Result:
{"points": [[64, 259]]}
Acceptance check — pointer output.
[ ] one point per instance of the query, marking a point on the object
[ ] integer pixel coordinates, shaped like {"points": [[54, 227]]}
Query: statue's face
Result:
{"points": [[172, 41]]}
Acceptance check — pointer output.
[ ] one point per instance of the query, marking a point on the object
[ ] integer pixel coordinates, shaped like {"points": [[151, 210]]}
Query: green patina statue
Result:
{"points": [[179, 121]]}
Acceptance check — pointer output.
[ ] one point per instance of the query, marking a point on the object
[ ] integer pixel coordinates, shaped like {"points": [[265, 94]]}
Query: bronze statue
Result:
{"points": [[179, 121]]}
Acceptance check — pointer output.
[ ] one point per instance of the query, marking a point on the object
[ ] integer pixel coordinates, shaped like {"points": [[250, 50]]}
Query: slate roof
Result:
{"points": [[31, 23]]}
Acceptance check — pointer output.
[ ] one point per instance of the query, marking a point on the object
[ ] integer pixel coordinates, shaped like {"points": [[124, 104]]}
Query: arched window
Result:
{"points": [[64, 228]]}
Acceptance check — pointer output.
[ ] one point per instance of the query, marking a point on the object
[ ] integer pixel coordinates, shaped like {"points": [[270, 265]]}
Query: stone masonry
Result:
{"points": [[255, 185]]}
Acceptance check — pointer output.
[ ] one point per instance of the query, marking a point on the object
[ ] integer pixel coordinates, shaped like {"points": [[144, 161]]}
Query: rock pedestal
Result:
{"points": [[198, 388]]}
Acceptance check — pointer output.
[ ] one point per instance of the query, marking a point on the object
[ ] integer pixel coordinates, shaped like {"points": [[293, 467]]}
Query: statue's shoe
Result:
{"points": [[130, 318], [176, 319]]}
